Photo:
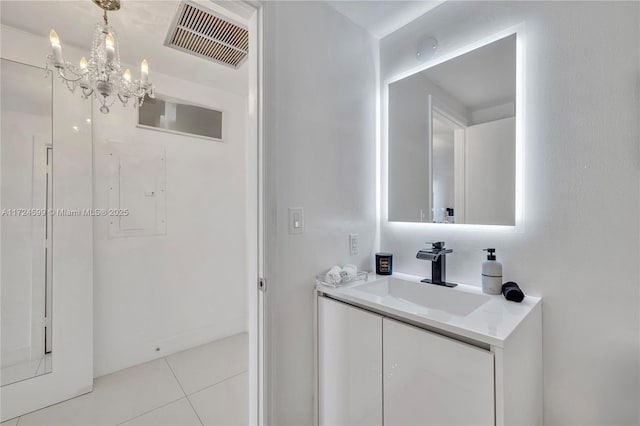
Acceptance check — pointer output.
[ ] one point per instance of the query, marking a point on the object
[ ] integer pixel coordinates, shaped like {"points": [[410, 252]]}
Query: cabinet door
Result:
{"points": [[433, 380], [349, 365]]}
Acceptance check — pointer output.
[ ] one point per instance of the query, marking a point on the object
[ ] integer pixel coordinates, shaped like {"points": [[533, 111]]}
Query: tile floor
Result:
{"points": [[207, 385]]}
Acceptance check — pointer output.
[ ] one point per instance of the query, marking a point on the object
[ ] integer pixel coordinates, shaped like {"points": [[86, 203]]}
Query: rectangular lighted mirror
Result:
{"points": [[452, 140]]}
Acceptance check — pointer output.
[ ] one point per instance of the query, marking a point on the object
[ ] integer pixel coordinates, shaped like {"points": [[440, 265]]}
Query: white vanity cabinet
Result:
{"points": [[350, 365], [428, 379], [434, 380], [385, 360]]}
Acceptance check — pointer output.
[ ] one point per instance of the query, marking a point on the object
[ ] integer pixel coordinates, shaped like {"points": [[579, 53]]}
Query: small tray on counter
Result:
{"points": [[360, 276]]}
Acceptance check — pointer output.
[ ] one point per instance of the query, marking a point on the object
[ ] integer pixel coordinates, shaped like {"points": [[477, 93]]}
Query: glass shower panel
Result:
{"points": [[26, 164]]}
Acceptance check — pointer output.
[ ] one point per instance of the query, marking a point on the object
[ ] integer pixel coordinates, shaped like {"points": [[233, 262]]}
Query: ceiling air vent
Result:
{"points": [[200, 32]]}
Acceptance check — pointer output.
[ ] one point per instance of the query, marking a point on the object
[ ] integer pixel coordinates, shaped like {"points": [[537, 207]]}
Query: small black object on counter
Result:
{"points": [[511, 291], [384, 263]]}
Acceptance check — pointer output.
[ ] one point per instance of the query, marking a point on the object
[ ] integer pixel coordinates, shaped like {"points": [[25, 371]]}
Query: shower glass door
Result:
{"points": [[26, 237]]}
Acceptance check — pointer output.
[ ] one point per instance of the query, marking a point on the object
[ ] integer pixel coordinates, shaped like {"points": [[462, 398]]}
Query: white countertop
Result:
{"points": [[492, 322]]}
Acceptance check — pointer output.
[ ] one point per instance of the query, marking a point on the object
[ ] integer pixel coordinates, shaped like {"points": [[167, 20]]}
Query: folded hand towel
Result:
{"points": [[333, 276], [348, 272]]}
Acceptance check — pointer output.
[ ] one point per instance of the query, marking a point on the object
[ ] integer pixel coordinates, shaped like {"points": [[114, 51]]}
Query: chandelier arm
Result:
{"points": [[86, 92], [62, 72], [138, 92], [70, 85], [125, 100]]}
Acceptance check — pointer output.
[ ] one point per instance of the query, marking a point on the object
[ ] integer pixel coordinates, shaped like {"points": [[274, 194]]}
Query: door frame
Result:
{"points": [[255, 217], [250, 12]]}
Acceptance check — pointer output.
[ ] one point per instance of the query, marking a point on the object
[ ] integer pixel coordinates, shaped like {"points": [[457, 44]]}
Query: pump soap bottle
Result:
{"points": [[491, 273]]}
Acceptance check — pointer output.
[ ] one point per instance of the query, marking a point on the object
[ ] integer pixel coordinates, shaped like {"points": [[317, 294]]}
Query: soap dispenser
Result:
{"points": [[491, 273]]}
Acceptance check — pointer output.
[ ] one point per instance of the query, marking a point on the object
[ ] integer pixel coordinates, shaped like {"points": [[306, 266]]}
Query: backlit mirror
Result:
{"points": [[26, 233], [452, 140]]}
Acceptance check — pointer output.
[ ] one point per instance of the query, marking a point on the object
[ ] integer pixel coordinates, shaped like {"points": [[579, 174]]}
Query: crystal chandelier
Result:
{"points": [[102, 76]]}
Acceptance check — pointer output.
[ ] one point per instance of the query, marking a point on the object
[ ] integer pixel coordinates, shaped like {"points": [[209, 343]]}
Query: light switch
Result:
{"points": [[296, 220]]}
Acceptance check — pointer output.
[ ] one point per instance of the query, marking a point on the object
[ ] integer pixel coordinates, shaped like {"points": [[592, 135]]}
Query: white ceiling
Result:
{"points": [[381, 18], [482, 78], [141, 27]]}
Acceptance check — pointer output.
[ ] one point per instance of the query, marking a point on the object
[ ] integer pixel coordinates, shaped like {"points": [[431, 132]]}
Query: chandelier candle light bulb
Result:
{"points": [[110, 43], [57, 48], [144, 72], [84, 81], [127, 75]]}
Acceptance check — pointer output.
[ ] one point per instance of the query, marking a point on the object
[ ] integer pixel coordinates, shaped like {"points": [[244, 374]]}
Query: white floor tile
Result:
{"points": [[224, 404], [116, 398], [177, 413], [206, 365]]}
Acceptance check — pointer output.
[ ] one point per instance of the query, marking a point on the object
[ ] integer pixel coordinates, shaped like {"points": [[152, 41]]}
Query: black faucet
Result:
{"points": [[438, 257]]}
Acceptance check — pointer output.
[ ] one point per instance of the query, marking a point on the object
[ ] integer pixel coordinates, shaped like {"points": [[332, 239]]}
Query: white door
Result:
{"points": [[433, 380], [349, 365]]}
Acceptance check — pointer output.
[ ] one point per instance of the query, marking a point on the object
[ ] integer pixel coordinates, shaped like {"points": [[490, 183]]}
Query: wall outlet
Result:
{"points": [[353, 244]]}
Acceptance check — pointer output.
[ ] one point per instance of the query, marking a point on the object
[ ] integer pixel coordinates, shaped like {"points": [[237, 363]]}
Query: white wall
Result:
{"points": [[409, 150], [578, 244], [187, 287], [490, 173], [320, 94]]}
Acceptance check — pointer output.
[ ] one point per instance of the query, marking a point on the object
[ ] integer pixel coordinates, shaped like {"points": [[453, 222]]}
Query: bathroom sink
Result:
{"points": [[463, 311], [452, 301]]}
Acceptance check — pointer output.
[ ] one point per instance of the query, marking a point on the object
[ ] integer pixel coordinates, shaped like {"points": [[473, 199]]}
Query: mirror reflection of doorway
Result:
{"points": [[26, 227], [447, 152], [443, 150]]}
